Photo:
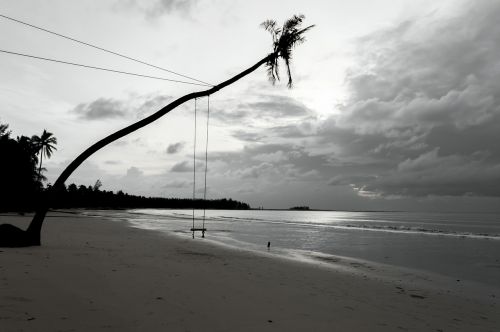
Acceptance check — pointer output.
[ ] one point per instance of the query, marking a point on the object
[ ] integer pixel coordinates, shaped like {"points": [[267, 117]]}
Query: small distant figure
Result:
{"points": [[268, 245]]}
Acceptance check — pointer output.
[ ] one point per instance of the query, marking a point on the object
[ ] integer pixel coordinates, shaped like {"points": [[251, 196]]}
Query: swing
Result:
{"points": [[193, 228]]}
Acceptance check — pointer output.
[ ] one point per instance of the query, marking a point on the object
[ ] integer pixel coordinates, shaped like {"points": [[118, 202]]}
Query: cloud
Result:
{"points": [[176, 147], [185, 166], [158, 8], [351, 180], [277, 106], [273, 157], [178, 184], [112, 162], [151, 104], [270, 163], [265, 107], [231, 116], [102, 108], [432, 174], [134, 172], [245, 135], [169, 6], [301, 130], [134, 104], [425, 103]]}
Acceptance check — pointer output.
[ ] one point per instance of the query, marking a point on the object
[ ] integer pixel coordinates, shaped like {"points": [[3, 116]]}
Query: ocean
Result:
{"points": [[455, 246]]}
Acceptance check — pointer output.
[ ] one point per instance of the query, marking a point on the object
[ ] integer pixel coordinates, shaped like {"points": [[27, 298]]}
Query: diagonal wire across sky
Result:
{"points": [[200, 82]]}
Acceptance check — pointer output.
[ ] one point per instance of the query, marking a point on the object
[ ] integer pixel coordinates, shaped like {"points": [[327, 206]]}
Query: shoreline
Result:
{"points": [[400, 275], [93, 273], [402, 251]]}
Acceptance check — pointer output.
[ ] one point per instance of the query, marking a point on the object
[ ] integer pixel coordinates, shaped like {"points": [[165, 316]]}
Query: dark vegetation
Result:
{"points": [[300, 208], [92, 197], [22, 183]]}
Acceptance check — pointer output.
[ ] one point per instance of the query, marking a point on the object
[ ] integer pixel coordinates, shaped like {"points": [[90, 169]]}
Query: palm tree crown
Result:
{"points": [[284, 40], [45, 145]]}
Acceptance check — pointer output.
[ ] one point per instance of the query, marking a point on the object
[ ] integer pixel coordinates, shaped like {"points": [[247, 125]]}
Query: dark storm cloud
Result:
{"points": [[425, 101], [432, 174], [102, 108], [176, 147], [350, 180], [275, 162]]}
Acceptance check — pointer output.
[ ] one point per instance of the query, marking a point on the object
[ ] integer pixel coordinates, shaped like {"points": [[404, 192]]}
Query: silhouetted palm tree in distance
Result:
{"points": [[284, 40], [45, 145]]}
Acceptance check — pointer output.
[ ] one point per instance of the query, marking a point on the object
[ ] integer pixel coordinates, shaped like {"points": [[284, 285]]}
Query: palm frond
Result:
{"points": [[269, 25]]}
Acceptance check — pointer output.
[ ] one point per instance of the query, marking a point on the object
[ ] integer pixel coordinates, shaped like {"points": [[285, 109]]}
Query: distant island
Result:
{"points": [[300, 208]]}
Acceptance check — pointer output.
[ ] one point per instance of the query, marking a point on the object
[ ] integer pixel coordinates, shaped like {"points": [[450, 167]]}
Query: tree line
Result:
{"points": [[21, 169], [74, 196], [22, 181]]}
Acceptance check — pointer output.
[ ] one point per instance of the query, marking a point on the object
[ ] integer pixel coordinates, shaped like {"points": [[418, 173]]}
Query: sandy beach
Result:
{"points": [[93, 274]]}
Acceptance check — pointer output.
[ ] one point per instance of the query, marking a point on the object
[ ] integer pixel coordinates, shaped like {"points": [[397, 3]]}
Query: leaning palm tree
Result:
{"points": [[284, 39], [45, 145]]}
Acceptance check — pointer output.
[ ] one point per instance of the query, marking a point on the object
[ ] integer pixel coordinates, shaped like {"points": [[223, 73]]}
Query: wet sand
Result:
{"points": [[93, 274]]}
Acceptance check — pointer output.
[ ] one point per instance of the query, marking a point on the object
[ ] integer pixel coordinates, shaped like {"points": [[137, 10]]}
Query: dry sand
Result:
{"points": [[92, 274]]}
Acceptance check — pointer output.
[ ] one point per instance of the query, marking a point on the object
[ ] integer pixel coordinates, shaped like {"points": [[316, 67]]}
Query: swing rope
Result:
{"points": [[193, 229], [206, 164], [194, 165]]}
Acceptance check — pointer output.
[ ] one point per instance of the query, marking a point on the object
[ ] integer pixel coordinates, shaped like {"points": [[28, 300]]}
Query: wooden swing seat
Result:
{"points": [[198, 229]]}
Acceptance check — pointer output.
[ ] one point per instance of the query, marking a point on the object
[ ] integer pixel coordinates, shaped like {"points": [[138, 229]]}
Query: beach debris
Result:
{"points": [[400, 289], [416, 296], [29, 317]]}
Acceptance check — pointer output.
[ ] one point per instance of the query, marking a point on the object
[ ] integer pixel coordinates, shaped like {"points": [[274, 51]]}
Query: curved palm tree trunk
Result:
{"points": [[35, 226]]}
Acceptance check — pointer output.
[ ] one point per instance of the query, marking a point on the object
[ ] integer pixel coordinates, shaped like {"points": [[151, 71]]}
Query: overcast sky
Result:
{"points": [[396, 104]]}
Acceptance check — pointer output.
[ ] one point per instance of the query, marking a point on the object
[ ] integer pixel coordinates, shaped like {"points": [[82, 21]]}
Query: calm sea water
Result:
{"points": [[459, 246]]}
